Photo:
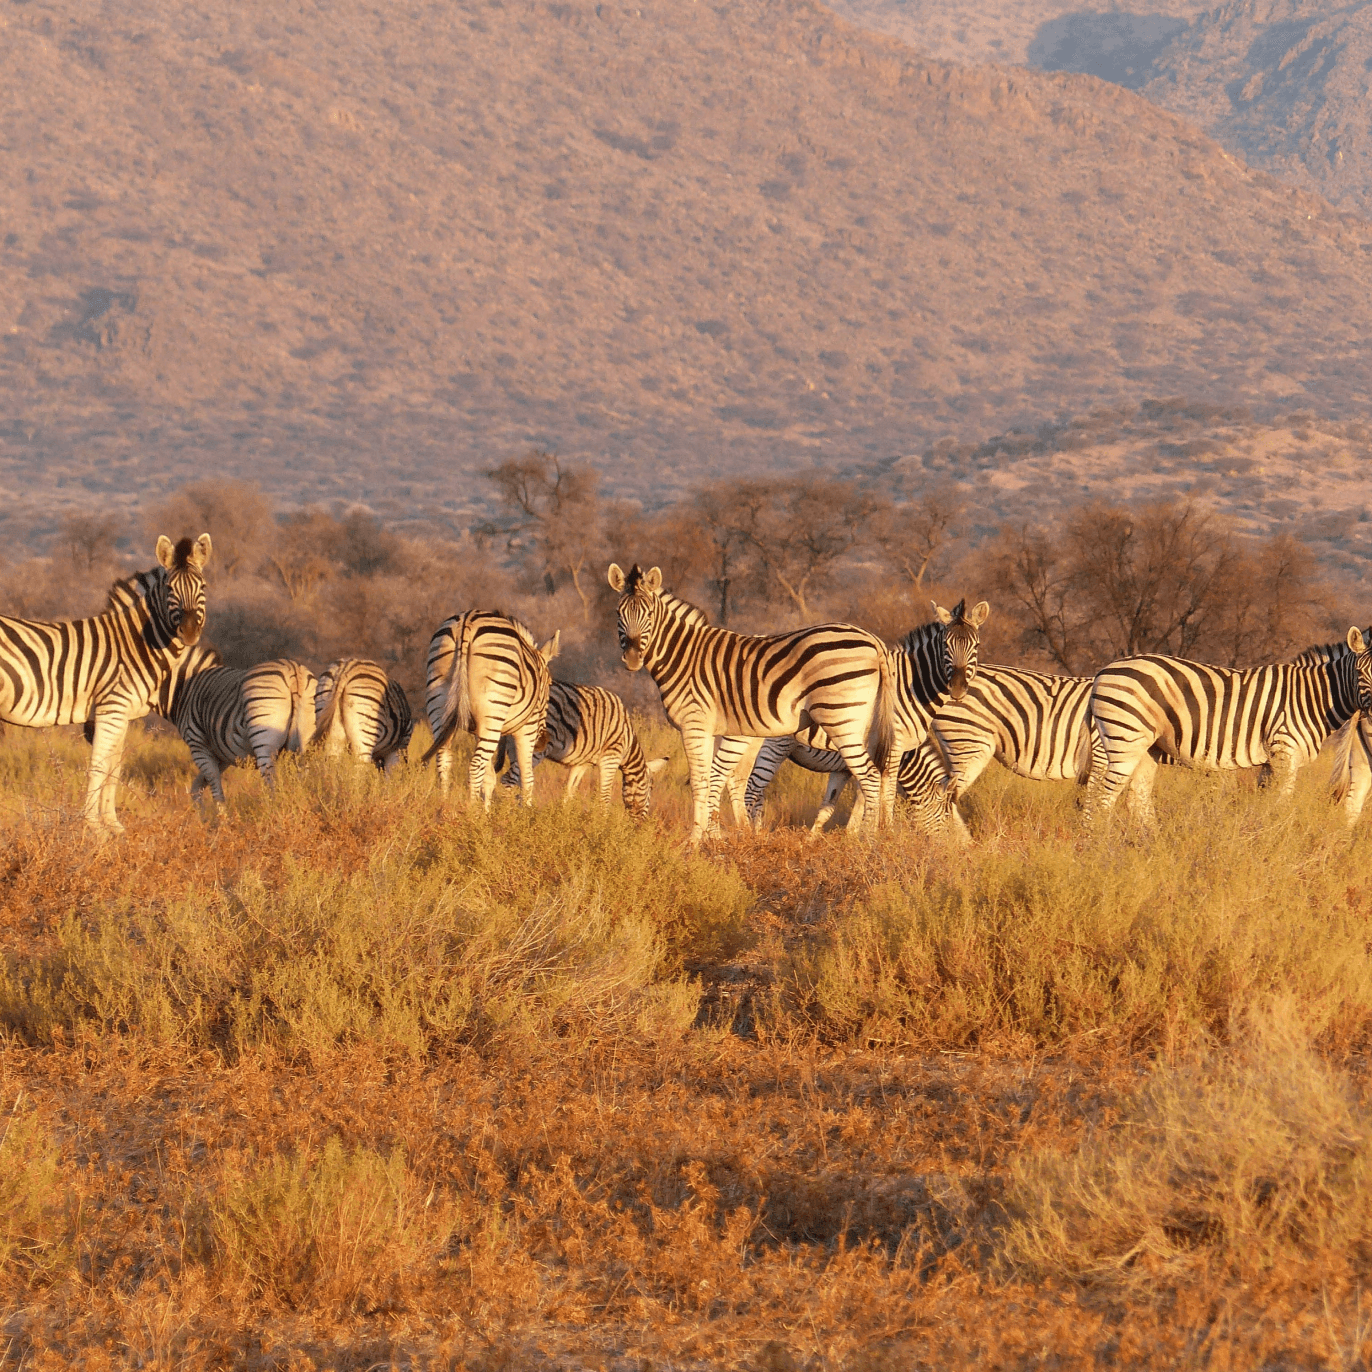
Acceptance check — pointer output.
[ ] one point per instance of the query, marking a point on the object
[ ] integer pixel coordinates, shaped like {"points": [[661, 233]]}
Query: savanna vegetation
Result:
{"points": [[346, 1077]]}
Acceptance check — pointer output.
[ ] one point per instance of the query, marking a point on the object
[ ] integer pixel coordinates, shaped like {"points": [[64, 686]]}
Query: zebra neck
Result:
{"points": [[1342, 675]]}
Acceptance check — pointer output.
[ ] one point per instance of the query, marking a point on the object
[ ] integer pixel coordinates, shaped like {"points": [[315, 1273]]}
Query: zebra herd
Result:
{"points": [[920, 720]]}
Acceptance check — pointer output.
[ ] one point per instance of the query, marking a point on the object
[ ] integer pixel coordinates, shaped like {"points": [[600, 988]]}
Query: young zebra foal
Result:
{"points": [[358, 706], [588, 727], [226, 716], [486, 675]]}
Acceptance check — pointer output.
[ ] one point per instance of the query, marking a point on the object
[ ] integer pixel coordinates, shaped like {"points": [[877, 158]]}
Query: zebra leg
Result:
{"points": [[481, 775], [444, 762], [606, 784], [833, 791], [207, 774], [107, 751], [729, 752], [575, 776], [1141, 792], [525, 741], [700, 757], [770, 756], [1112, 770]]}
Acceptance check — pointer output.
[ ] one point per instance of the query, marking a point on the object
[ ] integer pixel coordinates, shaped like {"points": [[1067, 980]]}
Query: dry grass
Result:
{"points": [[348, 1078]]}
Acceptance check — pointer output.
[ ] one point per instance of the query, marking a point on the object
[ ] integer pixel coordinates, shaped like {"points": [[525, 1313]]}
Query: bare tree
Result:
{"points": [[913, 536], [235, 513], [553, 515], [89, 539], [800, 529], [1028, 567]]}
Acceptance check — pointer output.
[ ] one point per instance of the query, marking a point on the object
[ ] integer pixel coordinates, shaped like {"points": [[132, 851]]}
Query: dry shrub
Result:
{"points": [[1248, 1157], [33, 1219], [1036, 938], [337, 1229]]}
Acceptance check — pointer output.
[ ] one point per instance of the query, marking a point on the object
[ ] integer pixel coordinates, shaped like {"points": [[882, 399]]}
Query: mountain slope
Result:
{"points": [[361, 254], [1287, 83]]}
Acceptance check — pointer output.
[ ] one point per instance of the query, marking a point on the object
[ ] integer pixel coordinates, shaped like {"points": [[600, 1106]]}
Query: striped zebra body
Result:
{"points": [[486, 675], [721, 689], [227, 715], [109, 669], [357, 706], [1034, 724], [588, 728], [933, 663], [1218, 718], [1350, 779]]}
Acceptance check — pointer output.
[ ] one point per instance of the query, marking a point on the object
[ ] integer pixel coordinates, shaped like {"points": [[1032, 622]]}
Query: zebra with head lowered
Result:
{"points": [[588, 727], [109, 669], [1218, 717], [487, 675], [1350, 779], [356, 704], [933, 663], [721, 689], [1033, 723], [225, 715]]}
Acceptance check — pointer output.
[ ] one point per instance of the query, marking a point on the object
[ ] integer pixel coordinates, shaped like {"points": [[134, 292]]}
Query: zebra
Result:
{"points": [[932, 663], [1034, 724], [108, 669], [588, 726], [721, 689], [1218, 717], [356, 704], [226, 714], [486, 675], [1350, 779]]}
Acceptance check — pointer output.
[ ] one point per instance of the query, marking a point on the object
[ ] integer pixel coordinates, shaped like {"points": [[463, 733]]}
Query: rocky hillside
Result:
{"points": [[360, 254]]}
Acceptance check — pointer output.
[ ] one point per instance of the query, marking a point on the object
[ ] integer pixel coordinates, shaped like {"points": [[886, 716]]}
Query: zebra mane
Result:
{"points": [[523, 631], [683, 609], [126, 592], [921, 636]]}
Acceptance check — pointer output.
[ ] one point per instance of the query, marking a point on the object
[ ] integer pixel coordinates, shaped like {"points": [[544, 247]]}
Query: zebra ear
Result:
{"points": [[166, 551], [940, 613], [658, 764], [981, 612], [652, 579], [1356, 640], [616, 577], [551, 648], [200, 553]]}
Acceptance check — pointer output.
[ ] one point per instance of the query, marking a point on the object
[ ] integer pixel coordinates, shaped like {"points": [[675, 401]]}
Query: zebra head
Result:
{"points": [[1362, 658], [960, 637], [640, 597], [181, 603], [638, 782]]}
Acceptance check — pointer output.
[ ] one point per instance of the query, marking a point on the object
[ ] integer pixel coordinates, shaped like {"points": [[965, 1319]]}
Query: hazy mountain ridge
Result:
{"points": [[1288, 82], [363, 256]]}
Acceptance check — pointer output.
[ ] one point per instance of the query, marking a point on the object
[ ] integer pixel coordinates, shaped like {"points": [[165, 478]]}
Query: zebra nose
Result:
{"points": [[188, 631], [957, 688]]}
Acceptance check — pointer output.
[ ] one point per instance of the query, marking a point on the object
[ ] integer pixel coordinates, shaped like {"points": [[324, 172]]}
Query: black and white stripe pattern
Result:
{"points": [[721, 689], [1350, 779], [486, 675], [589, 727], [109, 669], [932, 664], [227, 715], [1034, 724], [1218, 718], [359, 707]]}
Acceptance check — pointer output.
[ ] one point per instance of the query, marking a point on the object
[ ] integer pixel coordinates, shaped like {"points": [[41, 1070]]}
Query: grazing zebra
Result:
{"points": [[108, 669], [721, 689], [486, 675], [1217, 717], [1034, 724], [356, 704], [225, 715], [933, 663], [588, 727]]}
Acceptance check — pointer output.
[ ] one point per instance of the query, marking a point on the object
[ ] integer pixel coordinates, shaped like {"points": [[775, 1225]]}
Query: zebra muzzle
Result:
{"points": [[188, 631], [633, 659], [957, 687]]}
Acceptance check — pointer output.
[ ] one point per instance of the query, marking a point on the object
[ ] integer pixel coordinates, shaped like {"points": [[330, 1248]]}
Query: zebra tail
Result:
{"points": [[1341, 778], [323, 726], [302, 716], [458, 710], [1090, 751], [883, 737]]}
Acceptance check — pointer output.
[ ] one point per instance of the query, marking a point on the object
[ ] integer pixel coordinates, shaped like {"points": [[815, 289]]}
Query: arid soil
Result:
{"points": [[362, 256]]}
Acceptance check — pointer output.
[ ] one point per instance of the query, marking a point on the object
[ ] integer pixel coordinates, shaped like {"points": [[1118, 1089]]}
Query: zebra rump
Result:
{"points": [[358, 706]]}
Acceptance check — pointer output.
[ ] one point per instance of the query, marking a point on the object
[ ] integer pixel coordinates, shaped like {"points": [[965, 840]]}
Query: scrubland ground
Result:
{"points": [[350, 1078]]}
